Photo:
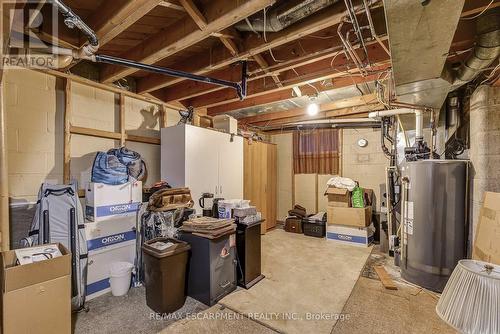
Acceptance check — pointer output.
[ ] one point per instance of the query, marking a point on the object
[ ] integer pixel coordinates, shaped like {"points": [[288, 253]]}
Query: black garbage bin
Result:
{"points": [[165, 273]]}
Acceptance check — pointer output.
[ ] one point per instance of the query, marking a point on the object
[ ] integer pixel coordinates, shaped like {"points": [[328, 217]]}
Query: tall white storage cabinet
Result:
{"points": [[204, 160]]}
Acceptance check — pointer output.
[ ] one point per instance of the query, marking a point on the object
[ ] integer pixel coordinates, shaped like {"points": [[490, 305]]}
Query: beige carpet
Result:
{"points": [[305, 277]]}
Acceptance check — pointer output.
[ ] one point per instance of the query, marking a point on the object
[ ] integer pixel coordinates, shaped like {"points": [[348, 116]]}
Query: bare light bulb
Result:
{"points": [[312, 109]]}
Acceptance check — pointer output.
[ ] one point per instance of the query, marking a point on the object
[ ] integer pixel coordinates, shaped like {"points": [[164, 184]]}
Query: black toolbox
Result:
{"points": [[314, 228]]}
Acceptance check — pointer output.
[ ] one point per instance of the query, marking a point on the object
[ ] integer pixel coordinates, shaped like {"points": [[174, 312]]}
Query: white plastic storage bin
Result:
{"points": [[103, 201], [350, 235], [226, 123]]}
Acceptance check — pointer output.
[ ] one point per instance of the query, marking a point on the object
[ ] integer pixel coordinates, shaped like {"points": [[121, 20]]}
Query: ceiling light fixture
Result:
{"points": [[312, 109]]}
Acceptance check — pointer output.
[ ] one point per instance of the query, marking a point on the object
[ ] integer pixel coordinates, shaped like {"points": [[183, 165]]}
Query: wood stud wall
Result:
{"points": [[122, 136]]}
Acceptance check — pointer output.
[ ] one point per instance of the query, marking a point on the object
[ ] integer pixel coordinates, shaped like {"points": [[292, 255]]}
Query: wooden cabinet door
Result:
{"points": [[260, 180], [271, 185]]}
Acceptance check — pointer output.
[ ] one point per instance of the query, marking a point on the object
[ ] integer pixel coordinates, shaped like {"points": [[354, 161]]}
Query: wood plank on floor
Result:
{"points": [[386, 280]]}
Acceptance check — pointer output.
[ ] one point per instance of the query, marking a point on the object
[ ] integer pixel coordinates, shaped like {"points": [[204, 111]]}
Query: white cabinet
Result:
{"points": [[203, 160]]}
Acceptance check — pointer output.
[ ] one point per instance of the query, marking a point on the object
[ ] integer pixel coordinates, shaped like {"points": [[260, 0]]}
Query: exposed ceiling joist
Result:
{"points": [[171, 5], [202, 23], [264, 65], [314, 72], [252, 45], [194, 13], [340, 104], [220, 15], [114, 17], [190, 89], [356, 111], [280, 95]]}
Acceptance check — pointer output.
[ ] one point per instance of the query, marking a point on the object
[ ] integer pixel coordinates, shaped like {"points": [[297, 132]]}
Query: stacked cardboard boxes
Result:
{"points": [[36, 297], [346, 224], [111, 212]]}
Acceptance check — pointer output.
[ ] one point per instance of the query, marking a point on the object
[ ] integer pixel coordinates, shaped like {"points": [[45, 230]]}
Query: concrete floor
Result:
{"points": [[369, 309], [128, 314]]}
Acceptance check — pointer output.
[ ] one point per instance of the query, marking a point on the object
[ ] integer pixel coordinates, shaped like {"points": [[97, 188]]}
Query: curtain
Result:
{"points": [[316, 152]]}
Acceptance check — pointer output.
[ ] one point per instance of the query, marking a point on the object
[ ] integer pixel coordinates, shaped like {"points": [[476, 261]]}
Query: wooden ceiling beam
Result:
{"points": [[189, 89], [220, 15], [473, 7], [111, 18], [264, 65], [251, 46], [314, 72], [169, 4], [202, 23], [280, 95], [323, 108], [347, 112]]}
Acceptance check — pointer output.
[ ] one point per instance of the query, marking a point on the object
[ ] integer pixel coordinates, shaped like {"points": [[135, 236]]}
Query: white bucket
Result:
{"points": [[120, 277]]}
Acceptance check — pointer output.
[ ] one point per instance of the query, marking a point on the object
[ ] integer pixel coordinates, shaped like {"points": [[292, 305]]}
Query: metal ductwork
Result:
{"points": [[283, 15], [487, 46], [420, 39]]}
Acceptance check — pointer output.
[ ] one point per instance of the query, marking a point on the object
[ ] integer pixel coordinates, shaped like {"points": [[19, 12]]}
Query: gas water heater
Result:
{"points": [[434, 220]]}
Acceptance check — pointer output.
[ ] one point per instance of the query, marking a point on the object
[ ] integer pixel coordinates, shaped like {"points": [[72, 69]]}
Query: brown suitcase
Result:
{"points": [[293, 225]]}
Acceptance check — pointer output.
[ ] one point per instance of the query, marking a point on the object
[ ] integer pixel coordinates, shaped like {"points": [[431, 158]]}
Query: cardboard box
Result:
{"points": [[107, 242], [36, 297], [350, 235], [338, 197], [486, 246], [104, 201], [225, 122], [357, 217]]}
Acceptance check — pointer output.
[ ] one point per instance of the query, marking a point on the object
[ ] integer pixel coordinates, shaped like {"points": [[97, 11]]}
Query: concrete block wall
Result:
{"points": [[484, 146], [33, 114], [34, 104], [364, 164]]}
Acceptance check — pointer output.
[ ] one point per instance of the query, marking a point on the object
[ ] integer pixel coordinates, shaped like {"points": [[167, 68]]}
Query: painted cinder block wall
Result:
{"points": [[34, 104], [484, 147], [363, 164]]}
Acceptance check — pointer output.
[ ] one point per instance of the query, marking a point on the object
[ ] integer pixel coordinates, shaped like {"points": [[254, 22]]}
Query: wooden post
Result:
{"points": [[67, 133], [122, 120], [163, 116], [4, 177]]}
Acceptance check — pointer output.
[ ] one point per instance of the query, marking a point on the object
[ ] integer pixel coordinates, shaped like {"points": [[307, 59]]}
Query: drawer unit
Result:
{"points": [[212, 267]]}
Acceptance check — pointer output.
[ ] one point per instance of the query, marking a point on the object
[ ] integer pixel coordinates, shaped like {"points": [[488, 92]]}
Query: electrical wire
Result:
{"points": [[481, 13], [265, 38], [491, 75]]}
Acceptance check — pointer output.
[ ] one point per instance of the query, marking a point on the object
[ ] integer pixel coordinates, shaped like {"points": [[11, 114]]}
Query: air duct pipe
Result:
{"points": [[487, 47], [419, 118], [284, 15], [336, 121]]}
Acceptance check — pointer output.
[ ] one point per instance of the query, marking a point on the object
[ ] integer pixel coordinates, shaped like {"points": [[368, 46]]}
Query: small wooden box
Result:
{"points": [[293, 225]]}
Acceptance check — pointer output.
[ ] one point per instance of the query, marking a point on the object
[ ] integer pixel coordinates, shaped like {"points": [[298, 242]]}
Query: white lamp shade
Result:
{"points": [[470, 302]]}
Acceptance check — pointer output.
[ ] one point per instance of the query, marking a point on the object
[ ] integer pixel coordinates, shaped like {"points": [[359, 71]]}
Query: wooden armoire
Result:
{"points": [[259, 179]]}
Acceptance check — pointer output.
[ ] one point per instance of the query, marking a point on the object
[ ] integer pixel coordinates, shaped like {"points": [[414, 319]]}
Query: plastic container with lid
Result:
{"points": [[165, 264]]}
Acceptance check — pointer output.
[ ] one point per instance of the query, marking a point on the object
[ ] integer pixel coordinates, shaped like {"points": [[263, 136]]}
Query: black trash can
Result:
{"points": [[165, 274]]}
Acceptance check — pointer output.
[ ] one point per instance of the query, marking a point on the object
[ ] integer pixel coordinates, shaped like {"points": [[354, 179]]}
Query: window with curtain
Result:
{"points": [[316, 151]]}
